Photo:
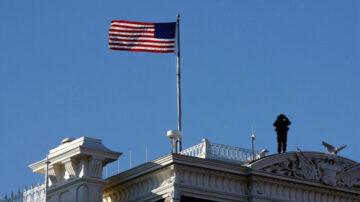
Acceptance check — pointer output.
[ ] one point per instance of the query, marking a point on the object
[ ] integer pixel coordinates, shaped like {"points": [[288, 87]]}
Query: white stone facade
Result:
{"points": [[206, 172], [292, 176], [174, 176]]}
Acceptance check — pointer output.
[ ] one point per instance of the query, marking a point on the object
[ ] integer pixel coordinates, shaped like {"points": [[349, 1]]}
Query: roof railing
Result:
{"points": [[222, 152], [28, 195]]}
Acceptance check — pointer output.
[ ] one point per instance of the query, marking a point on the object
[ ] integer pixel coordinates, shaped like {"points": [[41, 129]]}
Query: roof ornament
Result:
{"points": [[263, 153], [331, 149], [175, 137], [252, 142]]}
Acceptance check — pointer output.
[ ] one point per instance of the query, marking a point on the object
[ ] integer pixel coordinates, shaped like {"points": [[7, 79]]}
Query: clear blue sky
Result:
{"points": [[243, 62]]}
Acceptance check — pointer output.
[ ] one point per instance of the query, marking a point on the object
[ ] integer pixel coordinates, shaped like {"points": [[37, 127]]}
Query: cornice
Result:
{"points": [[170, 159], [38, 167], [139, 170], [275, 190], [306, 184], [82, 141], [212, 164], [173, 171], [77, 148]]}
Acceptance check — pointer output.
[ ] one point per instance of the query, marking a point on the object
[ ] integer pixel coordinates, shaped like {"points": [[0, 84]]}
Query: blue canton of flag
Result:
{"points": [[165, 30]]}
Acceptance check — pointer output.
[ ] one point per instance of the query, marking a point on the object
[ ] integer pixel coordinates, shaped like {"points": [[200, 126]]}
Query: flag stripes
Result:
{"points": [[140, 36]]}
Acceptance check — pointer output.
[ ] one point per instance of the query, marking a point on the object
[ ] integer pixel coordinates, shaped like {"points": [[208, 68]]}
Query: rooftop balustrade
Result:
{"points": [[222, 152], [34, 194]]}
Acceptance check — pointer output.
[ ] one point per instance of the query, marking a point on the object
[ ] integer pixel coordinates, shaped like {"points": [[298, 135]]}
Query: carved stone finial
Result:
{"points": [[263, 153], [331, 149]]}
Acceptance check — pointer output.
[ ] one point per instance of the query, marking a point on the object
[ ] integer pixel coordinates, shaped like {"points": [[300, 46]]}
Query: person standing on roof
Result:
{"points": [[281, 127]]}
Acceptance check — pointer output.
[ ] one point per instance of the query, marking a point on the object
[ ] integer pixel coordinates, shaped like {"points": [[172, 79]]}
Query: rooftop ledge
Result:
{"points": [[209, 150]]}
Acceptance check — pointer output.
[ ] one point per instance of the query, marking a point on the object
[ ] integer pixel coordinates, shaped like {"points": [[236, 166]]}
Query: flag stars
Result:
{"points": [[165, 30]]}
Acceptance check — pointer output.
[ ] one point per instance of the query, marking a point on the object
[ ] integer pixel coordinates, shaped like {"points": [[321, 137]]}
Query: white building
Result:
{"points": [[204, 172]]}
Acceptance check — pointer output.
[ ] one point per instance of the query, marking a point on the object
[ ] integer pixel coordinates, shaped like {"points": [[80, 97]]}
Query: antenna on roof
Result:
{"points": [[252, 141], [118, 165], [146, 153], [130, 159]]}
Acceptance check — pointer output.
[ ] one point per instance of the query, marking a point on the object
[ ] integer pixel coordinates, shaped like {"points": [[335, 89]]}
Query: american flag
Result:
{"points": [[142, 36]]}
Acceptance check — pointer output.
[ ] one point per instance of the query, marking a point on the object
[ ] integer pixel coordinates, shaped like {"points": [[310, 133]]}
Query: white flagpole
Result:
{"points": [[178, 76]]}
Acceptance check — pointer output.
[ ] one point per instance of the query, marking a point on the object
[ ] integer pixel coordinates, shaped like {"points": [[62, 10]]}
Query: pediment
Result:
{"points": [[332, 170]]}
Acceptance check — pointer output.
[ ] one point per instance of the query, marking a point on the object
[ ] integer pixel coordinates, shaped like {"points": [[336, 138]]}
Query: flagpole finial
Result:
{"points": [[178, 16]]}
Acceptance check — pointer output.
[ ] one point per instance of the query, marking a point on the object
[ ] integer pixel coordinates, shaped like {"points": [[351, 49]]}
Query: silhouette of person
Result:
{"points": [[281, 127]]}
